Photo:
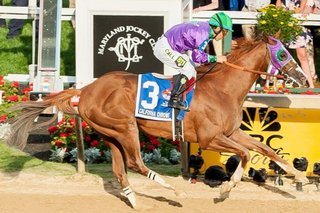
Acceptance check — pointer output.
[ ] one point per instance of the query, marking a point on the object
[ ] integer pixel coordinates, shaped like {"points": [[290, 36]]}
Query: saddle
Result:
{"points": [[153, 94]]}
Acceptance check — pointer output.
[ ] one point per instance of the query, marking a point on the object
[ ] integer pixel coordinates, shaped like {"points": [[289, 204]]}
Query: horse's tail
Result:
{"points": [[23, 123]]}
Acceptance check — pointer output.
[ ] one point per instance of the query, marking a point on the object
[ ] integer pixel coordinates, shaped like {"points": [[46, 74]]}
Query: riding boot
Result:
{"points": [[176, 100]]}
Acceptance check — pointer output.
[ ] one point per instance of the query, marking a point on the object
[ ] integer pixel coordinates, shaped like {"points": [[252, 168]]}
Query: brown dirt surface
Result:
{"points": [[31, 193]]}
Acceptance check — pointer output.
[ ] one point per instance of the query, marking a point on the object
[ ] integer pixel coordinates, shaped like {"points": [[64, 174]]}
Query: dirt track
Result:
{"points": [[26, 193]]}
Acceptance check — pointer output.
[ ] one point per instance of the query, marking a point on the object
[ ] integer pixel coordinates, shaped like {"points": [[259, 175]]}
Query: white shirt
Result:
{"points": [[254, 5]]}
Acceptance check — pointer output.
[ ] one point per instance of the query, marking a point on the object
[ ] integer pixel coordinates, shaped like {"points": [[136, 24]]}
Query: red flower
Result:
{"points": [[84, 124], [61, 122], [25, 98], [1, 82], [155, 142], [15, 84], [150, 148], [142, 144], [1, 78], [26, 90], [64, 134], [87, 139], [13, 98], [72, 121], [3, 118], [94, 143], [69, 130], [53, 129], [58, 143]]}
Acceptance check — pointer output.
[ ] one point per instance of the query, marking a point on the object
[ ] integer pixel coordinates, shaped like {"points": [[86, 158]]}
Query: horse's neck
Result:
{"points": [[239, 82]]}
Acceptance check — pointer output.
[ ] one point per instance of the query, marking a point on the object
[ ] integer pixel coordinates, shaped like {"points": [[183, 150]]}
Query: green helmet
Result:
{"points": [[221, 20]]}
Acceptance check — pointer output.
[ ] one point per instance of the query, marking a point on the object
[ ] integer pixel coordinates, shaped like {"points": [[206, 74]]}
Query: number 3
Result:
{"points": [[153, 95]]}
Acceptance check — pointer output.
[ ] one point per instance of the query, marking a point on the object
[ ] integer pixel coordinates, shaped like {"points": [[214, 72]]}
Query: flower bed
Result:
{"points": [[11, 94], [63, 143]]}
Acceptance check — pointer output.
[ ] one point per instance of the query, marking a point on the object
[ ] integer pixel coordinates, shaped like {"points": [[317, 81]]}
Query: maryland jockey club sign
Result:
{"points": [[125, 43]]}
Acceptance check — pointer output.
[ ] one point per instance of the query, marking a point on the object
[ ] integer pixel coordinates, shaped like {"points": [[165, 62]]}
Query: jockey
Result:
{"points": [[173, 48]]}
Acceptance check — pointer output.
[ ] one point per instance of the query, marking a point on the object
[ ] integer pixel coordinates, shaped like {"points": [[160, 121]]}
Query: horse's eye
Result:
{"points": [[282, 55]]}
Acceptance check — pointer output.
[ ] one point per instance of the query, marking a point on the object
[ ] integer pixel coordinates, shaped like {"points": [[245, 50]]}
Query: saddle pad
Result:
{"points": [[153, 95]]}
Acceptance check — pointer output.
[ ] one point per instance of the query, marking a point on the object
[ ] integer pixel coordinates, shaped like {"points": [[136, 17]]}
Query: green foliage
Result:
{"points": [[11, 94], [273, 19], [16, 53]]}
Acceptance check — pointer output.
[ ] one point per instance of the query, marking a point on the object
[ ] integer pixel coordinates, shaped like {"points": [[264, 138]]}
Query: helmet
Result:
{"points": [[221, 20]]}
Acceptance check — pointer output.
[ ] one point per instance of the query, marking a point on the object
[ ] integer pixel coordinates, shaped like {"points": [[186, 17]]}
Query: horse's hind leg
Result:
{"points": [[119, 171], [250, 143]]}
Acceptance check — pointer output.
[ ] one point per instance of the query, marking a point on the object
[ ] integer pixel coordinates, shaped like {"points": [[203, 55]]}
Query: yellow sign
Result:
{"points": [[291, 133]]}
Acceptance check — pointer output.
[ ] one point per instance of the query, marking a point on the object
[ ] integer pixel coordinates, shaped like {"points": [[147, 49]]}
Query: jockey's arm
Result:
{"points": [[202, 57]]}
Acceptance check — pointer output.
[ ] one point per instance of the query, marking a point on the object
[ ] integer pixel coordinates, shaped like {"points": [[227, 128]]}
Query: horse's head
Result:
{"points": [[282, 60]]}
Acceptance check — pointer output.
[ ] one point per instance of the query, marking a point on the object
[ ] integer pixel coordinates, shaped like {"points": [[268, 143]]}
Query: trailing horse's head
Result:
{"points": [[282, 61]]}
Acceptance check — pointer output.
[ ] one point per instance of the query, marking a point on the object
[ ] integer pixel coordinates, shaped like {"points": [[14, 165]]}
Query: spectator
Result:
{"points": [[301, 42], [203, 5], [16, 25], [249, 31], [72, 4], [235, 5], [312, 6]]}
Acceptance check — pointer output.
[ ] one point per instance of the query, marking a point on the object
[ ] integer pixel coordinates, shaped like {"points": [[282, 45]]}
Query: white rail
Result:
{"points": [[10, 12], [239, 17]]}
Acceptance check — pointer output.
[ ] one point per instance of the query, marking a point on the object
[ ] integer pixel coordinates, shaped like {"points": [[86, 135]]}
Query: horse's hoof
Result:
{"points": [[226, 188], [301, 178], [168, 186]]}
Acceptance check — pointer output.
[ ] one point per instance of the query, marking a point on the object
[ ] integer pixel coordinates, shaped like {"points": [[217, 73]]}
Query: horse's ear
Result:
{"points": [[277, 35], [267, 39]]}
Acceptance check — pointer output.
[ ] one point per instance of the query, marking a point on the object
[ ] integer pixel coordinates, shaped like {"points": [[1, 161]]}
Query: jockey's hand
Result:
{"points": [[221, 58]]}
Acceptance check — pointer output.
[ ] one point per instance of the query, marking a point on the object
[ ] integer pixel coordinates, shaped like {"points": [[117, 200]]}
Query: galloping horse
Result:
{"points": [[108, 105]]}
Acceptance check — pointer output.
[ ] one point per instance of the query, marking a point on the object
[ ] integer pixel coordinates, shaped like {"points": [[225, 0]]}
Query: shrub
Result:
{"points": [[273, 19], [11, 95]]}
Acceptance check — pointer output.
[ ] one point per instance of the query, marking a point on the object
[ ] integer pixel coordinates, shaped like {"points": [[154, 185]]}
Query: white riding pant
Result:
{"points": [[181, 62]]}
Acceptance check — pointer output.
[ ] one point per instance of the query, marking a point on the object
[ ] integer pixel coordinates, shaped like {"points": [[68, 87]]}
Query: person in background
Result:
{"points": [[16, 25], [301, 42], [72, 4], [203, 5], [173, 47], [2, 21], [249, 31], [312, 6]]}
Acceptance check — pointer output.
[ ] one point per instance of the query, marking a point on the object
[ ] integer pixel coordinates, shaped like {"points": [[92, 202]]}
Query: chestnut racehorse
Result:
{"points": [[108, 105]]}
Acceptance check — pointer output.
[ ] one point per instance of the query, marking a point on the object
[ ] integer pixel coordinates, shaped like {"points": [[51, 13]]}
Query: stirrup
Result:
{"points": [[177, 104]]}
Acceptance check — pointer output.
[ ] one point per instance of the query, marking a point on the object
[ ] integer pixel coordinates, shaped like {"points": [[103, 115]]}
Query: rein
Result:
{"points": [[249, 70], [198, 79]]}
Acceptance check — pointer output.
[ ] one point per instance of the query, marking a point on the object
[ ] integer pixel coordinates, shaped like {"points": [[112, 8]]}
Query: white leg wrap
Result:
{"points": [[155, 177], [236, 177], [130, 195]]}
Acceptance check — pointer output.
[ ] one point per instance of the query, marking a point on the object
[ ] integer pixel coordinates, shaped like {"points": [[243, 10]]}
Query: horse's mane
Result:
{"points": [[243, 47]]}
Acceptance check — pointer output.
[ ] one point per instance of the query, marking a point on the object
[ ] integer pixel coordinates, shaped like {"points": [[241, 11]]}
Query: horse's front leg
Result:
{"points": [[119, 171], [222, 143], [252, 144]]}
